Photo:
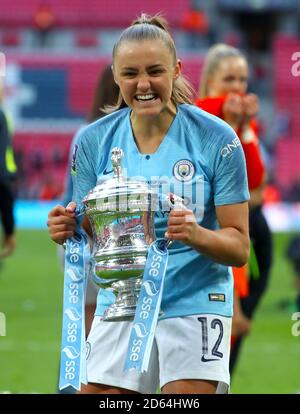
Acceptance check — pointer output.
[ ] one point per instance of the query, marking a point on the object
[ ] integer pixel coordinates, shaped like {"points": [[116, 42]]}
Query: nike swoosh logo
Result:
{"points": [[105, 172], [203, 359]]}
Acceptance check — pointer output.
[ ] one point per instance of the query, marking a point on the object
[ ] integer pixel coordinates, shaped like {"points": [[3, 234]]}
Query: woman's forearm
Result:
{"points": [[227, 246]]}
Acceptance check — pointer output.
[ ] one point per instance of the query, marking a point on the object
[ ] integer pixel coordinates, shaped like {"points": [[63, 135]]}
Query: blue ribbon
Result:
{"points": [[73, 360], [145, 320]]}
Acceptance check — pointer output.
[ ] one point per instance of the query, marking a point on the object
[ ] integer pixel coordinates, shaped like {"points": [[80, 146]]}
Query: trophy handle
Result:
{"points": [[174, 201], [116, 159]]}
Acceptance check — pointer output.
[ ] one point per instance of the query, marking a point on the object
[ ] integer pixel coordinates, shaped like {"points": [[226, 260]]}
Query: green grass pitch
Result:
{"points": [[31, 284]]}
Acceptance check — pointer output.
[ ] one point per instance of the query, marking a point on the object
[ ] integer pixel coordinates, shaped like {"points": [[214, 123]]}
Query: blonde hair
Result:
{"points": [[214, 56], [154, 28]]}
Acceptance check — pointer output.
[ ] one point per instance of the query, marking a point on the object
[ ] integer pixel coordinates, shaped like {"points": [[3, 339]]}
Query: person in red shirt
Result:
{"points": [[223, 93], [44, 21], [195, 23]]}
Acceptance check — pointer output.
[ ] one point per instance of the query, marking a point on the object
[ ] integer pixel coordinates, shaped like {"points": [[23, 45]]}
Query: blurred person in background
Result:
{"points": [[8, 172], [195, 23], [223, 93], [44, 21], [293, 255], [50, 190]]}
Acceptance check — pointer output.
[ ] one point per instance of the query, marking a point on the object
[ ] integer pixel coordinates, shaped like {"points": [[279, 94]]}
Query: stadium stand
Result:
{"points": [[81, 40], [10, 38], [71, 81], [287, 99], [42, 159], [86, 39], [105, 13]]}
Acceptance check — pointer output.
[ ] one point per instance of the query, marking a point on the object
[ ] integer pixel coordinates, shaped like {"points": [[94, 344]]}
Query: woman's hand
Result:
{"points": [[8, 245], [241, 325], [228, 245], [182, 225], [61, 222], [233, 110], [250, 103]]}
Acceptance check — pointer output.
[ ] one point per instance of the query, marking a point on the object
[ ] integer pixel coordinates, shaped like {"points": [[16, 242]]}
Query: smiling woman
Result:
{"points": [[147, 87], [167, 141], [149, 29], [146, 68]]}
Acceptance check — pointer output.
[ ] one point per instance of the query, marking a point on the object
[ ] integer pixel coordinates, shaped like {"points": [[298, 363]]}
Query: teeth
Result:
{"points": [[145, 97]]}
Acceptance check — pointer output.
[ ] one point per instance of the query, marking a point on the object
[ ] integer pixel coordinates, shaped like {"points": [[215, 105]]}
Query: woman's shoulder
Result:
{"points": [[108, 121], [102, 126], [207, 123]]}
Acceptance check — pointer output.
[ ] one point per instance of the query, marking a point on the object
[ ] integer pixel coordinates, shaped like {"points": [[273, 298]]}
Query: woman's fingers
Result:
{"points": [[71, 207], [62, 227], [57, 211], [61, 237], [176, 229], [61, 222], [181, 216], [179, 226]]}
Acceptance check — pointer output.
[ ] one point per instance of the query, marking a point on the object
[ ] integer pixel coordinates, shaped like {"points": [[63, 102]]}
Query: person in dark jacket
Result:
{"points": [[7, 173]]}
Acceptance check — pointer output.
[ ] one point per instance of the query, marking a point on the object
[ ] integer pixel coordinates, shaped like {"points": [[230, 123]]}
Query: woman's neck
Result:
{"points": [[150, 132]]}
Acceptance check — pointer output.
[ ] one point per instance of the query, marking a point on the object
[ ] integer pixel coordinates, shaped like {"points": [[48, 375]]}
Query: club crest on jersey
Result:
{"points": [[184, 170]]}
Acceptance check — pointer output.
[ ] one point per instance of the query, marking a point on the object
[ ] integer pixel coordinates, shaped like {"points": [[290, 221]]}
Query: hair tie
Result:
{"points": [[145, 19]]}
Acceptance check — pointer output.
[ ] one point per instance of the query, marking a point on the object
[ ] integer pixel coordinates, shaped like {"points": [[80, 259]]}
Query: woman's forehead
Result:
{"points": [[146, 50], [233, 63]]}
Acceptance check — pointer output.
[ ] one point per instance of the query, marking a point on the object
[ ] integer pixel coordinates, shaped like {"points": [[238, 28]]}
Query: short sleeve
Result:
{"points": [[82, 167], [230, 175]]}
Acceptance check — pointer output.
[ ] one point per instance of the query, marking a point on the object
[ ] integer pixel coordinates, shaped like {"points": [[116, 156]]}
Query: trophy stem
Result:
{"points": [[127, 294]]}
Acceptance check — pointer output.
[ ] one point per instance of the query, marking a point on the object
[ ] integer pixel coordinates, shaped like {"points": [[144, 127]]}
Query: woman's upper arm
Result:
{"points": [[235, 216]]}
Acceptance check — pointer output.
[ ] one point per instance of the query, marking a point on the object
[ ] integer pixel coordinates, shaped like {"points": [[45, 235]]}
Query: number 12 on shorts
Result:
{"points": [[215, 324]]}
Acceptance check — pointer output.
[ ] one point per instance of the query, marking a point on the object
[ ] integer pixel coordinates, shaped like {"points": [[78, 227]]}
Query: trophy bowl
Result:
{"points": [[121, 214]]}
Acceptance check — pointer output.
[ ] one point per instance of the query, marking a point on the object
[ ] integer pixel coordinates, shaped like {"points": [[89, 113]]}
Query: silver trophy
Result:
{"points": [[121, 214]]}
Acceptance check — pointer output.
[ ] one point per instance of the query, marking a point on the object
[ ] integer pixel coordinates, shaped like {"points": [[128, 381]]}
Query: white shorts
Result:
{"points": [[192, 347]]}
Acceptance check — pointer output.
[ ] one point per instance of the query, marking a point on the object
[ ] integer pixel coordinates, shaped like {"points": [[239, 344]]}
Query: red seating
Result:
{"points": [[97, 13], [10, 38], [287, 99], [287, 161], [286, 84], [84, 72], [45, 154], [44, 159], [86, 39], [31, 143]]}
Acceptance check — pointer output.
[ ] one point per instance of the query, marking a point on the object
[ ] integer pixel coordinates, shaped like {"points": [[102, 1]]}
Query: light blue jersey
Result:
{"points": [[68, 192], [201, 160]]}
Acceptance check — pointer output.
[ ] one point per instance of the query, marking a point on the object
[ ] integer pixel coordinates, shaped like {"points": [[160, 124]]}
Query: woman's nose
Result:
{"points": [[237, 87], [143, 83]]}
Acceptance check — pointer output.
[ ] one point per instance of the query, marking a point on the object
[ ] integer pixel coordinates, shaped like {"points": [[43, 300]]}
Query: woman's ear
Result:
{"points": [[177, 70], [114, 75]]}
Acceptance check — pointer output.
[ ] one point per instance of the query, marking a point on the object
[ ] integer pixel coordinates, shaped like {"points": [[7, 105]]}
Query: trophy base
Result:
{"points": [[127, 294], [119, 314]]}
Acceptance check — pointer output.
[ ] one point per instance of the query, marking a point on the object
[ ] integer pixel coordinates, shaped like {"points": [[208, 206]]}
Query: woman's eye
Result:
{"points": [[156, 72], [229, 79], [128, 74]]}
